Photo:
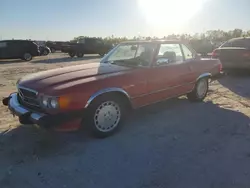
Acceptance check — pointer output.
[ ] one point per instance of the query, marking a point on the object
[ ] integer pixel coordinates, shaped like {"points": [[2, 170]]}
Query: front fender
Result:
{"points": [[204, 75], [105, 91]]}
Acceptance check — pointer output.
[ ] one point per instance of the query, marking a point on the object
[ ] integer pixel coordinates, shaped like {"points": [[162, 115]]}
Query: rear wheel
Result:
{"points": [[200, 91], [27, 56], [105, 116], [72, 54], [80, 54], [45, 52]]}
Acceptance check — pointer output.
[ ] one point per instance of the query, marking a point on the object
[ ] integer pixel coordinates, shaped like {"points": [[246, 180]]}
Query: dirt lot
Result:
{"points": [[172, 144]]}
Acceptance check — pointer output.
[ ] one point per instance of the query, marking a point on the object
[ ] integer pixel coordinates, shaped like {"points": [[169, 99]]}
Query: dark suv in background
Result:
{"points": [[87, 46], [18, 49], [56, 46]]}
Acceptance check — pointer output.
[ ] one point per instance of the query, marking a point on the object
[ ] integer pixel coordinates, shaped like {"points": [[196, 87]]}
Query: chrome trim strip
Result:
{"points": [[21, 87], [204, 75], [25, 97], [107, 90], [176, 96], [18, 109], [161, 90], [15, 105]]}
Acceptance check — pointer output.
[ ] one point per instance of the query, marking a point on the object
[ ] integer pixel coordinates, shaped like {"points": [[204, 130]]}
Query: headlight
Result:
{"points": [[54, 103], [49, 102], [45, 101]]}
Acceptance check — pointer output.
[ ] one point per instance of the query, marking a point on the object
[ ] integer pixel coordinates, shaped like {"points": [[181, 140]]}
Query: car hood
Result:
{"points": [[42, 80]]}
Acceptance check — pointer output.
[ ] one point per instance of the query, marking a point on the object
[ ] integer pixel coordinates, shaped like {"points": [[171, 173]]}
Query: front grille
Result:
{"points": [[28, 98]]}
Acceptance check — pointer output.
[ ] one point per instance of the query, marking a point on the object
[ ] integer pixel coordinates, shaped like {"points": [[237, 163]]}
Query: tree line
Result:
{"points": [[215, 36]]}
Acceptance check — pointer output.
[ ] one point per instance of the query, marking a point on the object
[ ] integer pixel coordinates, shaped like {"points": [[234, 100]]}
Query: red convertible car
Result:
{"points": [[97, 96]]}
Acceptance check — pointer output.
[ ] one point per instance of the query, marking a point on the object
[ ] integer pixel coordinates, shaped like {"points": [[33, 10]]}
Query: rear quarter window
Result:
{"points": [[239, 43]]}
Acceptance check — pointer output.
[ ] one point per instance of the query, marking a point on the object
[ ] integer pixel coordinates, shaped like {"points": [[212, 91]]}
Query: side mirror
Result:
{"points": [[161, 61]]}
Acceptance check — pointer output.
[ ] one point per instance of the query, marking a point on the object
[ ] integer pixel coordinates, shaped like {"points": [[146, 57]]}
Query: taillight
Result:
{"points": [[220, 67], [216, 53]]}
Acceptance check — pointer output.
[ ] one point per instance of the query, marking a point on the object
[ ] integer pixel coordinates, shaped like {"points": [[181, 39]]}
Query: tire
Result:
{"points": [[200, 91], [72, 54], [45, 52], [27, 56], [53, 50], [80, 54], [109, 110]]}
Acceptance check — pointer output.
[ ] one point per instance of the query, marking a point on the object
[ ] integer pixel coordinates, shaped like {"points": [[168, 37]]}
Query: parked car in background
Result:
{"points": [[55, 46], [44, 50], [202, 47], [87, 46], [234, 54], [98, 95], [18, 49]]}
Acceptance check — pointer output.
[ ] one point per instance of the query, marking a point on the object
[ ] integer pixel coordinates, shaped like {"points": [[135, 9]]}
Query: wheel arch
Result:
{"points": [[204, 75], [112, 90]]}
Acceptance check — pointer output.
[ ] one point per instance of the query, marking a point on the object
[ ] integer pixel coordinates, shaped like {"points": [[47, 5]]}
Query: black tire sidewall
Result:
{"points": [[25, 58], [196, 93], [52, 50], [91, 112], [46, 52]]}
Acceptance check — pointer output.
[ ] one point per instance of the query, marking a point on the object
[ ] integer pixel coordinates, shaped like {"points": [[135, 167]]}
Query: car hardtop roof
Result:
{"points": [[16, 40], [152, 41], [238, 38]]}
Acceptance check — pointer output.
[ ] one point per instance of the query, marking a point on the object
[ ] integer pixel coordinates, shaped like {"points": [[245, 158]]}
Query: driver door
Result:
{"points": [[169, 75]]}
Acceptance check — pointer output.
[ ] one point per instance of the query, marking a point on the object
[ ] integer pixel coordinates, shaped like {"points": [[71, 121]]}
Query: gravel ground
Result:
{"points": [[171, 144]]}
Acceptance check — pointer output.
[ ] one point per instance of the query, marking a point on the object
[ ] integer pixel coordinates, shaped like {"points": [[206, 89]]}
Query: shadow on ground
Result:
{"points": [[10, 61], [64, 59], [238, 82], [171, 144]]}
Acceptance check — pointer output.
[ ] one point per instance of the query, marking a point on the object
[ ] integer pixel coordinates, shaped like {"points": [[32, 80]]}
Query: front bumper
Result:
{"points": [[28, 116]]}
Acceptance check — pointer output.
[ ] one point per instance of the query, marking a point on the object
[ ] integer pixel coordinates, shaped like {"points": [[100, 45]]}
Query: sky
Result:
{"points": [[66, 19]]}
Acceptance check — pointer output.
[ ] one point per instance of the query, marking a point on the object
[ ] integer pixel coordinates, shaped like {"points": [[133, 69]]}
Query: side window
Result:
{"points": [[3, 44], [99, 42], [145, 52], [187, 53], [238, 43], [82, 41], [169, 53]]}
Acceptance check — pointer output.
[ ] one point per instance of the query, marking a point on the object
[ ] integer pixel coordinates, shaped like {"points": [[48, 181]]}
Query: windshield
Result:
{"points": [[131, 54]]}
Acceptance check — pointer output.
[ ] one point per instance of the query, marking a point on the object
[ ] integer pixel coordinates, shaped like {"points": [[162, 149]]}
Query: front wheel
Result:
{"points": [[105, 116], [46, 52], [200, 91], [53, 50]]}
